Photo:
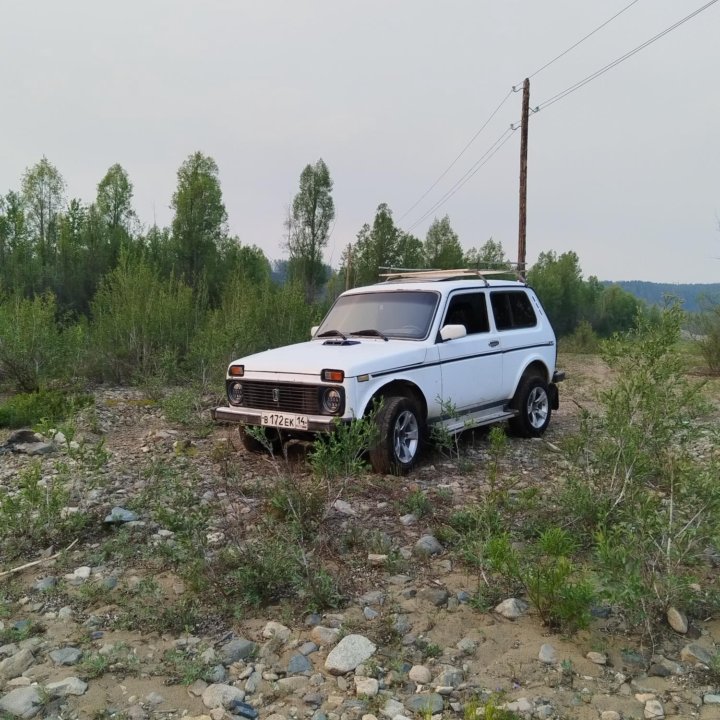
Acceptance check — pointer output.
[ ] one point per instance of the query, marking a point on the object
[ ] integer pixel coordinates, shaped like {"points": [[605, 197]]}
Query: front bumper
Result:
{"points": [[248, 416]]}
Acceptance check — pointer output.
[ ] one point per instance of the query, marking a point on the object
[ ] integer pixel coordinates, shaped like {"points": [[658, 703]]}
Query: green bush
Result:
{"points": [[44, 406], [707, 333]]}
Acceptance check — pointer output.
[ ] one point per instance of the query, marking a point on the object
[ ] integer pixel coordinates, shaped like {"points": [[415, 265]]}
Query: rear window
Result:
{"points": [[512, 309]]}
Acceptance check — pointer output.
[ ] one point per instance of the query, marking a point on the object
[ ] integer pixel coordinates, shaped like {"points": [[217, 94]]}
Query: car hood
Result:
{"points": [[355, 357]]}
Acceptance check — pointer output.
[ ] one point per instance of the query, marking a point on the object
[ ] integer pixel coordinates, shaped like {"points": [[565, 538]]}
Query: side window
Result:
{"points": [[470, 310], [512, 309]]}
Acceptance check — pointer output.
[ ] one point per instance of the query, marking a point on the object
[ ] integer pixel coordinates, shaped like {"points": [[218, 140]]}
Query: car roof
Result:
{"points": [[442, 286]]}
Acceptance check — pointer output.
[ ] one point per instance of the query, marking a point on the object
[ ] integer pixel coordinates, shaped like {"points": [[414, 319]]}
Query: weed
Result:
{"points": [[146, 609], [20, 632], [184, 406], [341, 453], [185, 668], [417, 503], [29, 409]]}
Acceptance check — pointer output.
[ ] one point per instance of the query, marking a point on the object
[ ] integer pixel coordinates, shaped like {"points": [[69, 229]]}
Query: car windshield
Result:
{"points": [[398, 314]]}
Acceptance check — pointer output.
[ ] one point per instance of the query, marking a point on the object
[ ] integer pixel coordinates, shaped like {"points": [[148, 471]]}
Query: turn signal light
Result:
{"points": [[236, 370], [333, 375]]}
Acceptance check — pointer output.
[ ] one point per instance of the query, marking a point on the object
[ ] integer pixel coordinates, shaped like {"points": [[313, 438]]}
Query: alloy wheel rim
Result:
{"points": [[538, 407], [406, 436]]}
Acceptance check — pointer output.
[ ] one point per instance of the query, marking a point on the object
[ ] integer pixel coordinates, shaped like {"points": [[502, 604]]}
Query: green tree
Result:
{"points": [[16, 255], [488, 256], [200, 221], [377, 246], [114, 198], [442, 246], [43, 194], [308, 227], [559, 285]]}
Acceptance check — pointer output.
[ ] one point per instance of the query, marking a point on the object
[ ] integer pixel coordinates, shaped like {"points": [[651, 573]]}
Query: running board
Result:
{"points": [[475, 419]]}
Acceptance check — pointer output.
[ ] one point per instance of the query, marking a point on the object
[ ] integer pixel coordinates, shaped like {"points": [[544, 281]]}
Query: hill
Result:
{"points": [[654, 293]]}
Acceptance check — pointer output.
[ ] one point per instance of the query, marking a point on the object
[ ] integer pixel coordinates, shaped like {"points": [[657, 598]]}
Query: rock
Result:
{"points": [[369, 613], [408, 520], [374, 597], [392, 708], [677, 620], [217, 674], [120, 515], [219, 695], [307, 648], [344, 508], [349, 653], [430, 703], [376, 560], [293, 684], [512, 608], [547, 654], [24, 702], [654, 709], [597, 658], [34, 448], [324, 635], [428, 545], [45, 584], [449, 677], [420, 674], [693, 653], [299, 664], [366, 686], [66, 686], [237, 649], [610, 715], [523, 706], [711, 699], [197, 688], [436, 596], [467, 646], [66, 656], [16, 664], [274, 629]]}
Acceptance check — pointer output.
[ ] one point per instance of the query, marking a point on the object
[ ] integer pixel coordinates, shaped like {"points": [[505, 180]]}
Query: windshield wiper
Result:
{"points": [[370, 332], [332, 333]]}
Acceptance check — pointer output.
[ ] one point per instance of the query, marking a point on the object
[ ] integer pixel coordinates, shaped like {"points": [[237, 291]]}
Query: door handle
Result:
{"points": [[494, 343]]}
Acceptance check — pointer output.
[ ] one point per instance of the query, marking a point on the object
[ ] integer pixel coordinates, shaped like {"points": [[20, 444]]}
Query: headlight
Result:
{"points": [[331, 400], [235, 393]]}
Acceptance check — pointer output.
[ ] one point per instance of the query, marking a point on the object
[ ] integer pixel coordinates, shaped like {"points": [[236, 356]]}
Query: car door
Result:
{"points": [[471, 366]]}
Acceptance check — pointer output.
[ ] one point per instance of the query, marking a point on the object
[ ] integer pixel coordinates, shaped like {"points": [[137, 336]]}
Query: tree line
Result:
{"points": [[86, 289]]}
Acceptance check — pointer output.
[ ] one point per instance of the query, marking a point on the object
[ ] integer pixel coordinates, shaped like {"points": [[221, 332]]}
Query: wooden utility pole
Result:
{"points": [[522, 225]]}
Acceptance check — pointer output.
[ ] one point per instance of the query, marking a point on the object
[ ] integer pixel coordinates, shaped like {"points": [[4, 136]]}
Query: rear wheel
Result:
{"points": [[399, 436], [532, 401]]}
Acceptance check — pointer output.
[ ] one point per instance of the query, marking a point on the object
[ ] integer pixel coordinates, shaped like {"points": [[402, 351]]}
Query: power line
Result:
{"points": [[572, 88], [484, 159], [582, 40], [459, 155]]}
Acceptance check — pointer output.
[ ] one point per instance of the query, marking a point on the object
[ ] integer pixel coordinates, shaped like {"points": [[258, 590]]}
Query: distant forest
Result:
{"points": [[654, 293]]}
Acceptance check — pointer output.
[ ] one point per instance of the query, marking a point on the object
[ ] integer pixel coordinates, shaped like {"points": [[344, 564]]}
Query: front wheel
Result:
{"points": [[399, 436], [532, 401]]}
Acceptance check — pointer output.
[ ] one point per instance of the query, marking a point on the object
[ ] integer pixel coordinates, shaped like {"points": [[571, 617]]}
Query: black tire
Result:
{"points": [[532, 401], [400, 433], [252, 444]]}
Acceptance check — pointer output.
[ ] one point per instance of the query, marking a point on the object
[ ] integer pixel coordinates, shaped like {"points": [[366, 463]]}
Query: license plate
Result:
{"points": [[285, 420]]}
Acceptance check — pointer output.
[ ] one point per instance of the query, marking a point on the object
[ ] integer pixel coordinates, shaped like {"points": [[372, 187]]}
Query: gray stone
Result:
{"points": [[121, 515], [219, 695], [324, 635], [307, 648], [677, 620], [253, 682], [66, 686], [420, 674], [467, 645], [512, 608], [238, 649], [23, 703], [344, 508], [16, 664], [610, 715], [693, 653], [369, 613], [464, 597], [349, 653], [431, 703], [294, 683], [436, 596], [547, 654], [653, 710], [597, 658], [34, 448], [408, 520], [66, 656], [9, 649], [299, 664], [374, 597], [449, 677], [274, 629], [428, 545], [218, 674], [392, 708], [522, 706], [315, 700], [711, 699], [402, 624], [366, 686], [45, 584]]}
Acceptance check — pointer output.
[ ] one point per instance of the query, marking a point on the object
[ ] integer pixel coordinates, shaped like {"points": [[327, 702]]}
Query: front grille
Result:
{"points": [[291, 397]]}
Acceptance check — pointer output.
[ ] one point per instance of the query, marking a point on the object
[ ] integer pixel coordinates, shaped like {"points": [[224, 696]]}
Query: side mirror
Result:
{"points": [[314, 330], [452, 332]]}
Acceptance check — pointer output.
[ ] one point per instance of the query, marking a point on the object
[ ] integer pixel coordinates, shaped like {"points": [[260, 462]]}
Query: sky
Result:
{"points": [[624, 171]]}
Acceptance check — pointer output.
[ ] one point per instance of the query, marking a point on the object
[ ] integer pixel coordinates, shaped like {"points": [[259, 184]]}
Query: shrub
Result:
{"points": [[707, 333], [43, 406]]}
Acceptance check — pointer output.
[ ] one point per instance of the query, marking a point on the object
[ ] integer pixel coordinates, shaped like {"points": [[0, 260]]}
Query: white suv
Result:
{"points": [[450, 348]]}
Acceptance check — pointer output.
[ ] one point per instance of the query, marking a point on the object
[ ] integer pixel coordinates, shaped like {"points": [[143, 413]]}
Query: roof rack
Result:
{"points": [[440, 275]]}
